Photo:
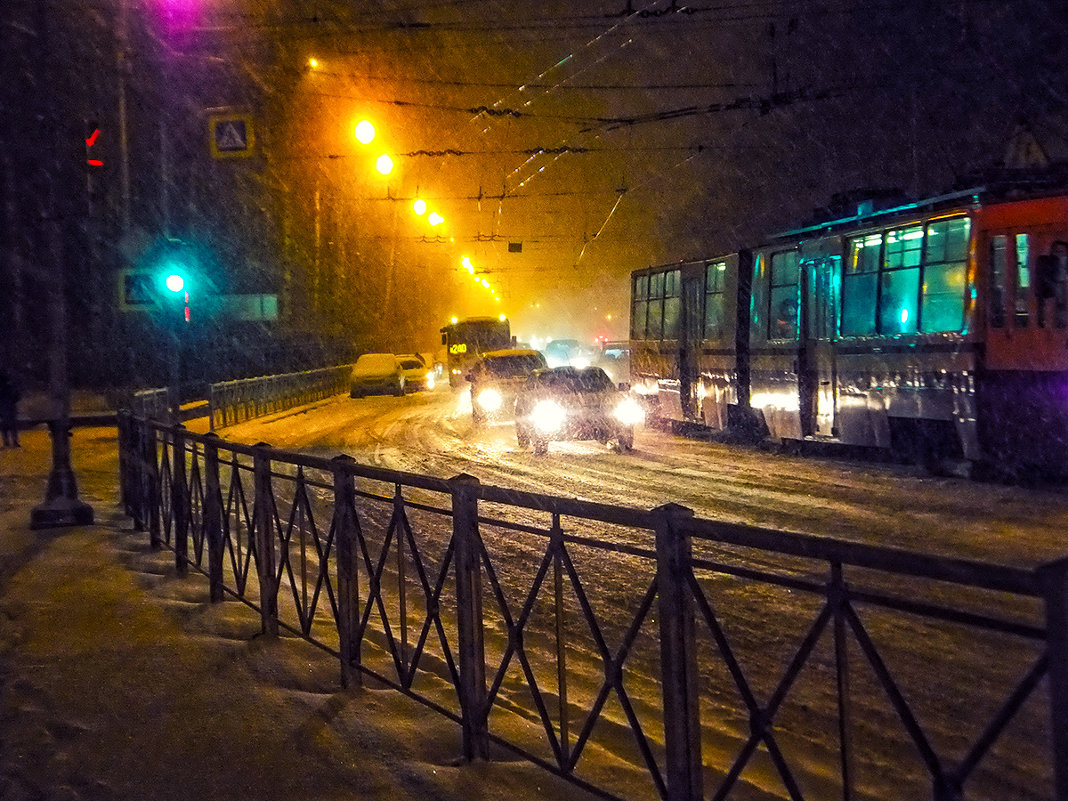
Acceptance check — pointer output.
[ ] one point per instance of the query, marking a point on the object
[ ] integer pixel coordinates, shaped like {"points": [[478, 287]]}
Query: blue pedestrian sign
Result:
{"points": [[231, 136]]}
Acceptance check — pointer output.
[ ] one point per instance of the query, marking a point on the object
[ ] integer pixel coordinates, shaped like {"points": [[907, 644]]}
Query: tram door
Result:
{"points": [[817, 372], [690, 345]]}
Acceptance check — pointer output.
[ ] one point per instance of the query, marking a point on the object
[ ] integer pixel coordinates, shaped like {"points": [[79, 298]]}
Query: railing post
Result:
{"points": [[348, 576], [213, 513], [151, 478], [179, 501], [265, 550], [837, 598], [1054, 578], [467, 553], [678, 654], [211, 408], [122, 427], [137, 469]]}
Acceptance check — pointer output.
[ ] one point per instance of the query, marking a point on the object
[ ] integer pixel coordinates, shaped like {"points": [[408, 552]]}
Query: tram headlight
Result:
{"points": [[548, 416], [489, 400], [629, 412]]}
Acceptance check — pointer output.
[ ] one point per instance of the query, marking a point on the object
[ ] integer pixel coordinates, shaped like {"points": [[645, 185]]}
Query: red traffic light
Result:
{"points": [[92, 154]]}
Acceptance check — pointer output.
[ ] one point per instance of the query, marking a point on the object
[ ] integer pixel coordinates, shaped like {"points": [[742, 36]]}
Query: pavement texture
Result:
{"points": [[119, 680]]}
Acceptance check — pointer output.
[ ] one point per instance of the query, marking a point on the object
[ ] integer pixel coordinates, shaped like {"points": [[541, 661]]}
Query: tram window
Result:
{"points": [[672, 305], [944, 274], [641, 287], [656, 285], [655, 325], [714, 284], [638, 310], [998, 273], [860, 287], [1023, 278], [900, 288], [785, 311], [758, 303], [637, 319]]}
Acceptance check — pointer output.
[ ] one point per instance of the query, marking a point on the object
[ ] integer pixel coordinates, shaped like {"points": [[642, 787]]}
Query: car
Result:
{"points": [[416, 373], [575, 403], [376, 374], [496, 378]]}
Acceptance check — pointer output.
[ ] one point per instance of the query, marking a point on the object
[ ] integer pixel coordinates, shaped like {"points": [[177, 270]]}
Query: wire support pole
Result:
{"points": [[473, 696]]}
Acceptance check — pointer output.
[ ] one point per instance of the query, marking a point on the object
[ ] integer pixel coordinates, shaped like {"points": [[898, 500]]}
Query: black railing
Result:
{"points": [[638, 654]]}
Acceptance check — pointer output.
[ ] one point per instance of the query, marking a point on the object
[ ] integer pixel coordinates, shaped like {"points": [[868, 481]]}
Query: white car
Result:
{"points": [[417, 375], [377, 374]]}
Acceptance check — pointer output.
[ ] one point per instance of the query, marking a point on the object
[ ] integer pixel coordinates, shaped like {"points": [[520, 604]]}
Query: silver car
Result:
{"points": [[562, 403], [496, 378]]}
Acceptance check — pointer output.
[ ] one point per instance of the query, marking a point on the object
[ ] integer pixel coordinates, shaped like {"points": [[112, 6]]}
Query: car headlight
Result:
{"points": [[548, 416], [489, 400], [429, 380], [629, 412]]}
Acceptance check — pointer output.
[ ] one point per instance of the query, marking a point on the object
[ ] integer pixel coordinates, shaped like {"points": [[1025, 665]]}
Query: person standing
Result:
{"points": [[9, 416]]}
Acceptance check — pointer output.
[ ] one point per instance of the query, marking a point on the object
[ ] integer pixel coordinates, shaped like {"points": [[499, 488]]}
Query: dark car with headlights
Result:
{"points": [[496, 378], [575, 403]]}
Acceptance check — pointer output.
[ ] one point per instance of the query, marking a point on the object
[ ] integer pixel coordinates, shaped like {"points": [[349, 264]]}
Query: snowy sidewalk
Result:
{"points": [[120, 681]]}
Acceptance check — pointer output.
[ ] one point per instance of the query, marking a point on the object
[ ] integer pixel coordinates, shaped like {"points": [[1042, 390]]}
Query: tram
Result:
{"points": [[936, 329]]}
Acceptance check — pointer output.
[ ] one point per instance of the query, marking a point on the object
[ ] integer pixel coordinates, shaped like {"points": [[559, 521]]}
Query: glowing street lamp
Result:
{"points": [[365, 132], [384, 164], [419, 207], [434, 218]]}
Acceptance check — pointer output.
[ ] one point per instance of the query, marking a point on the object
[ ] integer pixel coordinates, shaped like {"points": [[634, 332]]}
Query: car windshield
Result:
{"points": [[519, 364], [590, 379], [411, 364]]}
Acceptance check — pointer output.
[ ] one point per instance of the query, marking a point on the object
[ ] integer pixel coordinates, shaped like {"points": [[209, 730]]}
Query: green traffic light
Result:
{"points": [[175, 282]]}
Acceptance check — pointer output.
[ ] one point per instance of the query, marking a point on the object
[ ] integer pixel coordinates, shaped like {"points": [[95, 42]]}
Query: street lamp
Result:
{"points": [[365, 132]]}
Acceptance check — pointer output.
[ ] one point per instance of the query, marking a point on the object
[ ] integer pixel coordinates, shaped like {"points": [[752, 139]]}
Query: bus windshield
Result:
{"points": [[465, 340]]}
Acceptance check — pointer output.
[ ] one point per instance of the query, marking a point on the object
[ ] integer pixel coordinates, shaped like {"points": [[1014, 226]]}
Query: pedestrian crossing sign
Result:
{"points": [[231, 136]]}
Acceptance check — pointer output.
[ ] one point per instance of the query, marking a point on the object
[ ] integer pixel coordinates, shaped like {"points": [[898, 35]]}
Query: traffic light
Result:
{"points": [[175, 266], [94, 151]]}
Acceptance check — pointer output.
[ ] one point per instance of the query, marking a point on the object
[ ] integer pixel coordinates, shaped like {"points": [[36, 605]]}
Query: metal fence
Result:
{"points": [[638, 654], [231, 402], [154, 403]]}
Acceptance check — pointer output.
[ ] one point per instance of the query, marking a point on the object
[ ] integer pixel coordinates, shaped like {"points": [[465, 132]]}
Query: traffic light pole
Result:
{"points": [[174, 392], [61, 506]]}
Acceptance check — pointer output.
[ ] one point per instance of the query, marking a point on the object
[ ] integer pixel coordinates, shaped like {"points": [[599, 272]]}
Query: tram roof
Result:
{"points": [[1000, 188], [952, 198]]}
